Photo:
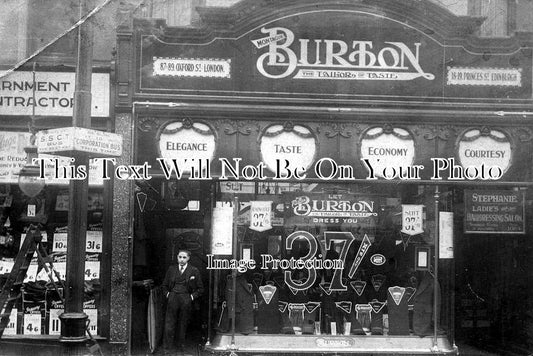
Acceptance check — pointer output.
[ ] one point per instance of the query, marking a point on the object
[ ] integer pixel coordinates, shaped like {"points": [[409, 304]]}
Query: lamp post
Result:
{"points": [[29, 180], [73, 320]]}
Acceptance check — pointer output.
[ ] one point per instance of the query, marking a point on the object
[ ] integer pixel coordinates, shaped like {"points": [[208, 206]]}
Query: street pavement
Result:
{"points": [[468, 350]]}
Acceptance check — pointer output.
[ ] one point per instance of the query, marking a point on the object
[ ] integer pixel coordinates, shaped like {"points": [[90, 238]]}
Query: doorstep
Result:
{"points": [[323, 344]]}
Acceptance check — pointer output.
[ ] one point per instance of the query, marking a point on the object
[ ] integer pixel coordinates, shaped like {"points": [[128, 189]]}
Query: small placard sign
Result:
{"points": [[494, 211]]}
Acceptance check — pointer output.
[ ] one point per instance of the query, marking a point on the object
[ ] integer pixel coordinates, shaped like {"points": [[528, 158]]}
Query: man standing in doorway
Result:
{"points": [[183, 286]]}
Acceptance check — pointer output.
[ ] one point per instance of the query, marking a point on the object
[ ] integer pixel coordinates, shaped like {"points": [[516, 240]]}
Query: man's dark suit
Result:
{"points": [[182, 289], [423, 306], [244, 299]]}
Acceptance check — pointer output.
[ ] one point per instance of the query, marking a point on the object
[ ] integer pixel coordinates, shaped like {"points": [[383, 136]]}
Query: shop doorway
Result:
{"points": [[162, 227]]}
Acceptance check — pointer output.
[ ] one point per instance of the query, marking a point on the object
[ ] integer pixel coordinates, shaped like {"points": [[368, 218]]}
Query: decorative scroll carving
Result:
{"points": [[187, 123], [432, 132], [289, 127], [486, 131], [243, 127], [148, 124], [388, 129], [523, 134], [335, 129]]}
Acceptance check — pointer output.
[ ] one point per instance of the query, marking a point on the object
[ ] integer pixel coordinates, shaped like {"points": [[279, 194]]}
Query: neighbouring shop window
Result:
{"points": [[328, 259], [37, 310]]}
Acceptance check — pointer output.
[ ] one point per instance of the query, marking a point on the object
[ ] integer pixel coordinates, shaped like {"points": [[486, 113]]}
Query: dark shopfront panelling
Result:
{"points": [[452, 85], [340, 141], [53, 199], [338, 52], [339, 70]]}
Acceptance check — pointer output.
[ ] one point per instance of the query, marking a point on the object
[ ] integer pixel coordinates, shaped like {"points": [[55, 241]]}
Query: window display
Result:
{"points": [[338, 260], [37, 310]]}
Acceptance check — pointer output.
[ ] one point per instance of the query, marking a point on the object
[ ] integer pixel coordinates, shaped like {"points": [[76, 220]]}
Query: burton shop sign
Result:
{"points": [[331, 209], [364, 56], [494, 211]]}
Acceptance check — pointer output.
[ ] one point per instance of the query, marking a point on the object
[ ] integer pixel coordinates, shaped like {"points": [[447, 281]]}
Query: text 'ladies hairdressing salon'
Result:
{"points": [[350, 177]]}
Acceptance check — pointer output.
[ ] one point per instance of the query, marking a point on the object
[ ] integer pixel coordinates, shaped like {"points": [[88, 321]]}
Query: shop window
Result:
{"points": [[335, 260], [37, 310]]}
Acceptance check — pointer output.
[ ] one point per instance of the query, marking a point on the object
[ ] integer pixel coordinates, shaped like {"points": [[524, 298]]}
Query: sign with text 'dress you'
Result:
{"points": [[343, 211]]}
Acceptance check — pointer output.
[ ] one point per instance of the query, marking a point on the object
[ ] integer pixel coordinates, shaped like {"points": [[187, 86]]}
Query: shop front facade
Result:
{"points": [[34, 98], [334, 168]]}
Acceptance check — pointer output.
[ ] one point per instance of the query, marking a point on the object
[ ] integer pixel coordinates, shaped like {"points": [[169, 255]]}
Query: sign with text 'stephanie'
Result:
{"points": [[50, 94], [494, 211]]}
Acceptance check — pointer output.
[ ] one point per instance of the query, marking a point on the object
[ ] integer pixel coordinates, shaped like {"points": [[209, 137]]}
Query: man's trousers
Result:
{"points": [[179, 307]]}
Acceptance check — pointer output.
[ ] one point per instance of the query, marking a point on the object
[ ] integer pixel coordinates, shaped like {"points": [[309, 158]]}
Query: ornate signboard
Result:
{"points": [[387, 149], [187, 146], [299, 55], [485, 76], [183, 67], [494, 211], [485, 150], [330, 210], [287, 146]]}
